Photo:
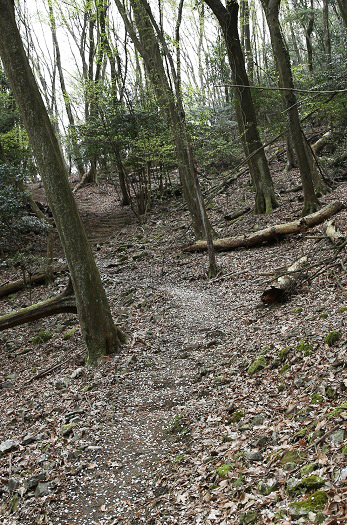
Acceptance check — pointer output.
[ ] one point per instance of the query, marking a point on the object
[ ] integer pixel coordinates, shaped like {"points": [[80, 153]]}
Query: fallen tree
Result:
{"points": [[271, 233], [65, 302], [37, 278], [283, 286], [333, 233]]}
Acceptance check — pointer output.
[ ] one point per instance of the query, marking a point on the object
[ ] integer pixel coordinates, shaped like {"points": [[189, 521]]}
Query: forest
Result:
{"points": [[173, 233]]}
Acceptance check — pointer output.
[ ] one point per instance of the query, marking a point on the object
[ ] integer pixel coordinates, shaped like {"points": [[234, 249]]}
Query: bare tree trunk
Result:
{"points": [[343, 10], [100, 333], [326, 36], [271, 8], [73, 132], [148, 47], [265, 199]]}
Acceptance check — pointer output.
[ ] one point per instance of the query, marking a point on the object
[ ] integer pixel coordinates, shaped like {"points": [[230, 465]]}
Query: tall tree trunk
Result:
{"points": [[148, 47], [343, 10], [100, 333], [271, 8], [265, 199], [326, 36], [73, 132], [247, 40], [308, 38]]}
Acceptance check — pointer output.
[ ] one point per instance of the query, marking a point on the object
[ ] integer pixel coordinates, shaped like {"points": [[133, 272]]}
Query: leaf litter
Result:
{"points": [[177, 429]]}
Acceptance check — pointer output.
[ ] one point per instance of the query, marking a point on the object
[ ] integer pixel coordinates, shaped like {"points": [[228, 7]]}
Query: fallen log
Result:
{"points": [[321, 143], [269, 234], [62, 303], [332, 232], [283, 285], [37, 278]]}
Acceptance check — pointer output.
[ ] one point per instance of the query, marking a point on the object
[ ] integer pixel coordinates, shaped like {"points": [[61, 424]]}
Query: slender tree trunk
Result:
{"points": [[247, 40], [326, 36], [343, 10], [148, 47], [265, 199], [100, 333], [271, 8], [308, 38], [73, 132]]}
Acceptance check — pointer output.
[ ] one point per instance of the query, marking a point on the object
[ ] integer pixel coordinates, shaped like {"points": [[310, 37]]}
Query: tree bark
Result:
{"points": [[281, 287], [77, 157], [147, 45], [100, 333], [272, 233], [227, 17], [271, 8], [343, 10], [62, 303], [37, 278]]}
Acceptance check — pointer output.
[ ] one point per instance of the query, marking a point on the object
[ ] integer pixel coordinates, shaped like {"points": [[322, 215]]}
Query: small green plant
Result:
{"points": [[317, 399], [70, 333], [297, 310], [237, 416], [258, 364], [343, 309], [42, 337], [223, 470], [333, 337], [305, 347], [323, 316], [177, 425]]}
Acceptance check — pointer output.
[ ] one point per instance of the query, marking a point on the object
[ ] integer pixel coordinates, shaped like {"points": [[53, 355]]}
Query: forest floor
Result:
{"points": [[176, 429]]}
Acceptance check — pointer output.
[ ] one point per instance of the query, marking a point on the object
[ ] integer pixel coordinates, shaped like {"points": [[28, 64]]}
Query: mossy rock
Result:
{"points": [[249, 517], [305, 347], [223, 470], [317, 399], [281, 356], [313, 503], [308, 469], [333, 337], [343, 309], [308, 484], [267, 489], [337, 411], [70, 333], [66, 430], [258, 364], [237, 416], [42, 337], [291, 457]]}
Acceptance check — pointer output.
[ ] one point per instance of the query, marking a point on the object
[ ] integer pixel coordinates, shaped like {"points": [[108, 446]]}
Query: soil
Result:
{"points": [[151, 426]]}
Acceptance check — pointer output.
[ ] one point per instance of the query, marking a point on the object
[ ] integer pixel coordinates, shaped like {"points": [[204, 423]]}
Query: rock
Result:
{"points": [[254, 455], [337, 437], [262, 442], [267, 488], [66, 430], [42, 489], [60, 384], [311, 483], [291, 457], [8, 445], [13, 484], [32, 483], [258, 364], [77, 373], [29, 438], [314, 503], [258, 420]]}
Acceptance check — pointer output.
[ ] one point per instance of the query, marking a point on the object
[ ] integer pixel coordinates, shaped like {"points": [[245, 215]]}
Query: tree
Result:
{"points": [[99, 331], [280, 50], [227, 17]]}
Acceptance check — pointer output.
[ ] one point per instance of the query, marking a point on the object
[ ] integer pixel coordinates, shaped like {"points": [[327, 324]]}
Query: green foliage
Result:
{"points": [[333, 337], [42, 337], [12, 200]]}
